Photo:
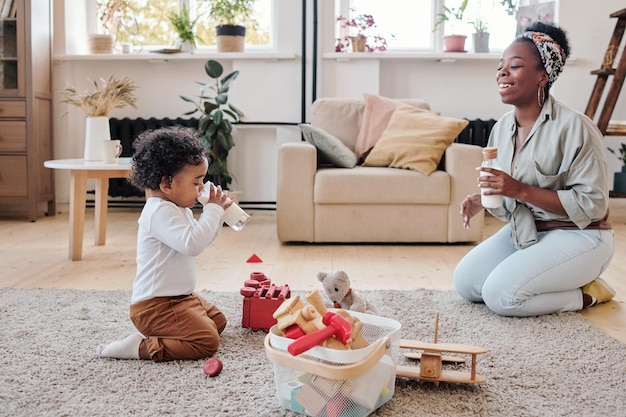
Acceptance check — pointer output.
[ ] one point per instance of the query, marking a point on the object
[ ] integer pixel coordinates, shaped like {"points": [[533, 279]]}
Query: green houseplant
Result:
{"points": [[619, 178], [184, 27], [480, 37], [230, 17], [454, 42], [215, 121]]}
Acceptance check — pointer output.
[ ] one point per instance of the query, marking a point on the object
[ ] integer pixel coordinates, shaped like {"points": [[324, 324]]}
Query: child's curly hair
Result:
{"points": [[162, 153]]}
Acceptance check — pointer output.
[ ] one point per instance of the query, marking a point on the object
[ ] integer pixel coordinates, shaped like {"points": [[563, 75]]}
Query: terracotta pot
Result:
{"points": [[454, 43]]}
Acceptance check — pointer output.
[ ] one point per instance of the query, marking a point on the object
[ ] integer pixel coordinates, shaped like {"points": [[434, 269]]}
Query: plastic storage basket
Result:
{"points": [[331, 382]]}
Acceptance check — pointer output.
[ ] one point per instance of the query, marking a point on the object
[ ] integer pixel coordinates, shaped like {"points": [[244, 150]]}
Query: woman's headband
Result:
{"points": [[551, 53]]}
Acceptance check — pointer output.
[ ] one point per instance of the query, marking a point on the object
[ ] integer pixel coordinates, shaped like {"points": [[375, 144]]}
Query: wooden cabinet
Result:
{"points": [[26, 106]]}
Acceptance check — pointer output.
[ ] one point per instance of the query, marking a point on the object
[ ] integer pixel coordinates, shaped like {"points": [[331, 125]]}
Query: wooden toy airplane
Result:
{"points": [[431, 361]]}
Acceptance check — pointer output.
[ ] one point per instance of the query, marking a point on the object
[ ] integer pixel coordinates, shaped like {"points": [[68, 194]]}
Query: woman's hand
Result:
{"points": [[470, 206], [500, 183]]}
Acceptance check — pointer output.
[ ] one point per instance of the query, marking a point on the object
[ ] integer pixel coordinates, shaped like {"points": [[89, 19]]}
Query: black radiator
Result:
{"points": [[127, 130], [476, 132]]}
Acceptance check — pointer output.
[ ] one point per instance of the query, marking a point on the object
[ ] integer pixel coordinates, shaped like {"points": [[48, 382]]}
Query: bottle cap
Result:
{"points": [[490, 153]]}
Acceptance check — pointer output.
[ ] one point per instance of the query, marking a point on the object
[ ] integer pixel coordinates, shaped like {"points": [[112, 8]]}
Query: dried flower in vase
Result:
{"points": [[113, 94]]}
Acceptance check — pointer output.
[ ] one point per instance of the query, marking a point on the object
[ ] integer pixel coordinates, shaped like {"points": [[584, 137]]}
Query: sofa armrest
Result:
{"points": [[295, 213], [461, 161]]}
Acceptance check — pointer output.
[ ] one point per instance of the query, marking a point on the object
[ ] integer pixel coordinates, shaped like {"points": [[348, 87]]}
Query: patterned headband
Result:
{"points": [[551, 53]]}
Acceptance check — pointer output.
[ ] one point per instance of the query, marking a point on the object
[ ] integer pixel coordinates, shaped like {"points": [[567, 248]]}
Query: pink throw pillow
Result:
{"points": [[376, 115]]}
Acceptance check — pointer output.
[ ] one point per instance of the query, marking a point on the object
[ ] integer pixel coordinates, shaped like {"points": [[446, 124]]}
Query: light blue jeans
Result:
{"points": [[544, 278]]}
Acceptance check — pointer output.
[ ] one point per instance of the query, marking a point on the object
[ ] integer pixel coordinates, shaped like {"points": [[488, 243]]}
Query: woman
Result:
{"points": [[559, 238]]}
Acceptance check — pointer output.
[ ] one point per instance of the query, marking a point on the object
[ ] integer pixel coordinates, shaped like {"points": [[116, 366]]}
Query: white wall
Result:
{"points": [[270, 89]]}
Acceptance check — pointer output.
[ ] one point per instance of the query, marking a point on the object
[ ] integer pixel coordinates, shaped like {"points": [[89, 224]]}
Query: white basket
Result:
{"points": [[349, 383]]}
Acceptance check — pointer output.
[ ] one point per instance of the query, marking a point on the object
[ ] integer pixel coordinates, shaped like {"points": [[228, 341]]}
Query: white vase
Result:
{"points": [[96, 130]]}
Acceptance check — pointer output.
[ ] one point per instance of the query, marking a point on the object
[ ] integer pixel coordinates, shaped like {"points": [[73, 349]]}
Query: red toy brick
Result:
{"points": [[261, 298]]}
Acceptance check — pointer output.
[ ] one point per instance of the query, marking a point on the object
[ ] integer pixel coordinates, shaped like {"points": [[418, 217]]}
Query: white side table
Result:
{"points": [[80, 172]]}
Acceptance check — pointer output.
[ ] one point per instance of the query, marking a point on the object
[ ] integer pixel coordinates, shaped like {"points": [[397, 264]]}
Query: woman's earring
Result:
{"points": [[541, 96]]}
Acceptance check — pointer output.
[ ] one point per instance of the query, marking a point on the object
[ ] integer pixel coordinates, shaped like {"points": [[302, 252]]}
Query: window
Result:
{"points": [[408, 25], [145, 22]]}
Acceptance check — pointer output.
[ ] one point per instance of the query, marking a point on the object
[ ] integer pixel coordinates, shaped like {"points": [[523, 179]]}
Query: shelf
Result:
{"points": [[182, 56]]}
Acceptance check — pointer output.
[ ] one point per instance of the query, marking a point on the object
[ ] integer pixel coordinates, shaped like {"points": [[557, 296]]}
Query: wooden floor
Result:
{"points": [[35, 254]]}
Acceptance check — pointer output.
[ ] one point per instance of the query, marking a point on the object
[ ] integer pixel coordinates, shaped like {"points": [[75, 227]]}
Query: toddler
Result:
{"points": [[172, 321]]}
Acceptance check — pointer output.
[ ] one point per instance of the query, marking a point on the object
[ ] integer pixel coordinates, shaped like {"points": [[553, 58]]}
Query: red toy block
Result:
{"points": [[260, 302]]}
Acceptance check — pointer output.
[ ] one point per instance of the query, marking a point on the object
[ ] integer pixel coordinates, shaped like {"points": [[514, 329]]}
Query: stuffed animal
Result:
{"points": [[337, 287]]}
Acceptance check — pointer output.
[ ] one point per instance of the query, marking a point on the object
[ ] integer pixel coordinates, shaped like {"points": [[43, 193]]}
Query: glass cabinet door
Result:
{"points": [[9, 48]]}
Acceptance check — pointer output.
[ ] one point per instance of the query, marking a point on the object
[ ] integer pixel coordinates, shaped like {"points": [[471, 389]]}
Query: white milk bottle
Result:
{"points": [[490, 161], [234, 216]]}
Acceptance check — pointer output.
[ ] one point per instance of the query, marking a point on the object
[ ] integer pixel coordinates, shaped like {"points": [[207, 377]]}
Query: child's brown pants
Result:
{"points": [[184, 327]]}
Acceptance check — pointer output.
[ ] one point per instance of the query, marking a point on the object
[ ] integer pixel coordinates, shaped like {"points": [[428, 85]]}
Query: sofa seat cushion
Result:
{"points": [[379, 185]]}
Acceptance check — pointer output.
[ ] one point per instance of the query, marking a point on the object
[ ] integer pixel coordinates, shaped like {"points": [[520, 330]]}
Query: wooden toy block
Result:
{"points": [[260, 302], [430, 365]]}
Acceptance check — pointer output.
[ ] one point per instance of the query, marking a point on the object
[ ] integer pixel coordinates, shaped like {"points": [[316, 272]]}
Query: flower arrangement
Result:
{"points": [[361, 41], [113, 94]]}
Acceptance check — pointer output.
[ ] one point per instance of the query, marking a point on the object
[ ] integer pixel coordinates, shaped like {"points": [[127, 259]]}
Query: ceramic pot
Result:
{"points": [[358, 43], [96, 130], [454, 43], [101, 44], [481, 42], [230, 38], [185, 46], [619, 182]]}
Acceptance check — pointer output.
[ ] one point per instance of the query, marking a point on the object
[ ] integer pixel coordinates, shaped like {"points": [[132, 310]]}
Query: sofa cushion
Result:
{"points": [[415, 140], [329, 146], [370, 185], [340, 117], [376, 115]]}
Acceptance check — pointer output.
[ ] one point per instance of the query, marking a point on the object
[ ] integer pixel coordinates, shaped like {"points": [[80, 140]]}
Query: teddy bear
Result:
{"points": [[337, 287]]}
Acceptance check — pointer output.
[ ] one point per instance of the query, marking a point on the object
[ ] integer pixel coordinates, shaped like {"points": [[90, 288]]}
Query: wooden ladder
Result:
{"points": [[606, 126]]}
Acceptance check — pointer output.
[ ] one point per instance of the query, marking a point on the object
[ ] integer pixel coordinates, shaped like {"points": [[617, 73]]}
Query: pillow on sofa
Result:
{"points": [[329, 146], [376, 115], [414, 139]]}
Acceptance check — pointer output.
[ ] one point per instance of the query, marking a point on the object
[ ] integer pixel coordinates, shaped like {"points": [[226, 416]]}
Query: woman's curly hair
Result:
{"points": [[162, 153]]}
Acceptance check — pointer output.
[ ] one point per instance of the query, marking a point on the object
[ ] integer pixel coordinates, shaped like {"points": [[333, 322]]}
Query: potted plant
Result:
{"points": [[215, 122], [480, 37], [109, 14], [619, 178], [97, 105], [185, 28], [362, 40], [454, 42], [231, 16]]}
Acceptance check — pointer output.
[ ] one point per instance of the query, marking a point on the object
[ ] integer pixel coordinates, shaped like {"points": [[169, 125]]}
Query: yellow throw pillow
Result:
{"points": [[414, 139]]}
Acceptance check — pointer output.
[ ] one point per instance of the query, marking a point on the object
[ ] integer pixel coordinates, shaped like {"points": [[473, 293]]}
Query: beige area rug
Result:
{"points": [[557, 365]]}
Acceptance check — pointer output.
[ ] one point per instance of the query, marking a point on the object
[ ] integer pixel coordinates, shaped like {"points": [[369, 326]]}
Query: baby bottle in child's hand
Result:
{"points": [[234, 216]]}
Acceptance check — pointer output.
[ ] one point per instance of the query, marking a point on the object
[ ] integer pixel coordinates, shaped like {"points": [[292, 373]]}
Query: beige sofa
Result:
{"points": [[371, 204]]}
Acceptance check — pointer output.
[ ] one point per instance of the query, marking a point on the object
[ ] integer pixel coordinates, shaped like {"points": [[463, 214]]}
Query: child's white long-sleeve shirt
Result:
{"points": [[168, 239]]}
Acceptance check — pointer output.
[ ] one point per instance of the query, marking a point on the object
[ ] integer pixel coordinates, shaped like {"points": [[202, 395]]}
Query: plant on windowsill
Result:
{"points": [[231, 16], [619, 178], [109, 12], [185, 29], [362, 40], [214, 126], [480, 37], [454, 42]]}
